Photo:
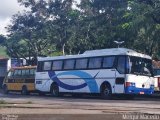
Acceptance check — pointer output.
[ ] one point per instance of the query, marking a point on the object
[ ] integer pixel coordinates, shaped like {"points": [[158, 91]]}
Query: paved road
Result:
{"points": [[84, 106]]}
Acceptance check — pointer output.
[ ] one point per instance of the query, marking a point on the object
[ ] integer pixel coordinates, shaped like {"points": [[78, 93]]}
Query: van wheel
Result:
{"points": [[54, 90], [106, 92], [24, 90], [5, 89]]}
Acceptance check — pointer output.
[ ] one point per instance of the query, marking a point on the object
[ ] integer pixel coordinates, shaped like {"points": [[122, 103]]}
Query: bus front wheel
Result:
{"points": [[54, 90], [106, 92]]}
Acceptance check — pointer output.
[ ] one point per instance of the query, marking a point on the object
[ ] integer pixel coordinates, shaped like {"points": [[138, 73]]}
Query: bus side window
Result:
{"points": [[47, 65], [108, 62], [69, 64], [57, 65], [10, 74], [121, 64], [95, 62], [81, 63]]}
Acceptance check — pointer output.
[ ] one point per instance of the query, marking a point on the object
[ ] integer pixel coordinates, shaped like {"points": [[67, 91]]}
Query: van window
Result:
{"points": [[32, 71], [27, 72], [23, 72], [17, 73]]}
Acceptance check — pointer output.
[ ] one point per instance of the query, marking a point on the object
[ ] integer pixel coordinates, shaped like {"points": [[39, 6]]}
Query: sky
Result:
{"points": [[7, 9]]}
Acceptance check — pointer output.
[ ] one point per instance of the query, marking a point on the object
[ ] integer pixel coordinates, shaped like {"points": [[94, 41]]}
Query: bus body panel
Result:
{"points": [[119, 88], [18, 86], [141, 84], [93, 79]]}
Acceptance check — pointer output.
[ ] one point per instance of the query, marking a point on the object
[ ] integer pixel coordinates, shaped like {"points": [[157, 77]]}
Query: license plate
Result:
{"points": [[141, 93]]}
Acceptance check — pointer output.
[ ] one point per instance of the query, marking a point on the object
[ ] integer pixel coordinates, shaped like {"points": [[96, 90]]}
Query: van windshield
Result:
{"points": [[141, 66], [10, 73]]}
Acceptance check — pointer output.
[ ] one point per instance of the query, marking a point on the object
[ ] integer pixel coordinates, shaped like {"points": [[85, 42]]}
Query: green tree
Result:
{"points": [[2, 40], [29, 31], [145, 25], [55, 26]]}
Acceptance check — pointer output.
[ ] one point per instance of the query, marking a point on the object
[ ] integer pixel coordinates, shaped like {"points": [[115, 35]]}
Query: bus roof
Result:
{"points": [[101, 52]]}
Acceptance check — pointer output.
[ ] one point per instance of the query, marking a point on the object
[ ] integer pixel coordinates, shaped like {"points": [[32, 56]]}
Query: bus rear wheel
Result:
{"points": [[106, 92], [5, 89], [24, 90], [54, 90]]}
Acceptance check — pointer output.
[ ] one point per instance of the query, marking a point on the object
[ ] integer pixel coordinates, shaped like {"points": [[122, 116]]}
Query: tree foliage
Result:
{"points": [[55, 26]]}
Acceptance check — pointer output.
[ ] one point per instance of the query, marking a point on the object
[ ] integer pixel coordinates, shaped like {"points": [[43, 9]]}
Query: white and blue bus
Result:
{"points": [[105, 71]]}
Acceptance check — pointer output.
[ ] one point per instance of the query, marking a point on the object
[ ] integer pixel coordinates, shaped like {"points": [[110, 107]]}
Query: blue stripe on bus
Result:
{"points": [[91, 83]]}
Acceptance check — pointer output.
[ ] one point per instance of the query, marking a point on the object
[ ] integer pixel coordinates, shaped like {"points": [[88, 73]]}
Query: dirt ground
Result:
{"points": [[33, 107]]}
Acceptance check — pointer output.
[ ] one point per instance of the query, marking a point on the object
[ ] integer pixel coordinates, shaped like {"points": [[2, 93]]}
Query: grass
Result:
{"points": [[29, 102], [3, 102]]}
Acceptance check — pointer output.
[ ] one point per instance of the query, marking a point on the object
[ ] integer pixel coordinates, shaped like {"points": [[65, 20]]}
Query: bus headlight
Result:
{"points": [[129, 84]]}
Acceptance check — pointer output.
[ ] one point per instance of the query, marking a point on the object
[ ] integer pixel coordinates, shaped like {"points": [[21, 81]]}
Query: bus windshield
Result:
{"points": [[141, 66]]}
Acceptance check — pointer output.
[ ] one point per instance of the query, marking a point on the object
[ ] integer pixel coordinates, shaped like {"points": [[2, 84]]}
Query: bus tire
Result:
{"points": [[106, 92], [24, 90], [54, 90], [5, 89]]}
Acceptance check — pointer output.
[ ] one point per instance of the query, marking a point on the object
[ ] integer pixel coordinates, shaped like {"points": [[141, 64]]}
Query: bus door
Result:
{"points": [[120, 74]]}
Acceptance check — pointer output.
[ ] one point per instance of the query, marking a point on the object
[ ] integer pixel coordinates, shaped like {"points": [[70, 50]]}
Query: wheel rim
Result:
{"points": [[106, 92], [55, 91]]}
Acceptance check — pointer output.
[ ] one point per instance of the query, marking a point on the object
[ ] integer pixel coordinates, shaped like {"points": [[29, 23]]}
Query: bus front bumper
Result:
{"points": [[135, 90]]}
